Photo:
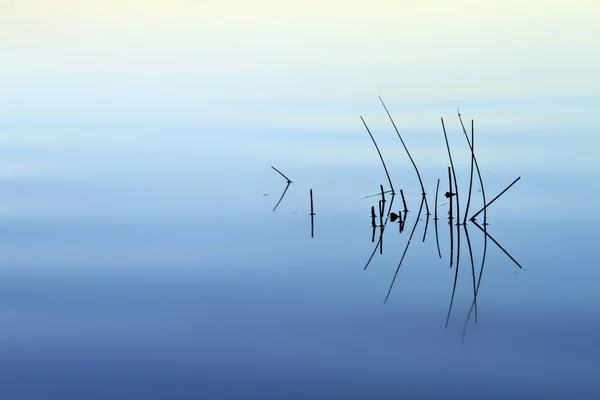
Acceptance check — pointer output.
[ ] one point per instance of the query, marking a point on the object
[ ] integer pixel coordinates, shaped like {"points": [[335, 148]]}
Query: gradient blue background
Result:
{"points": [[139, 253]]}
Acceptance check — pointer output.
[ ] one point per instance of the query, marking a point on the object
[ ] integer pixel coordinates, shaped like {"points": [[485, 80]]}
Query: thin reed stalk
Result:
{"points": [[381, 206], [472, 147], [437, 238], [379, 152], [437, 189], [472, 164], [426, 225], [407, 152], [403, 200], [453, 172], [280, 173], [450, 194], [494, 199], [312, 215]]}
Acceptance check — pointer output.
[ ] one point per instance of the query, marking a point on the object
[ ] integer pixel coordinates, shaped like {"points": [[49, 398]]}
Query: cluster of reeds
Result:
{"points": [[382, 215], [453, 212]]}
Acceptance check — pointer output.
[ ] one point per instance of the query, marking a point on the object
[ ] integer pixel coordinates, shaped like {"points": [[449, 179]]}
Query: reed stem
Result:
{"points": [[280, 173], [380, 156], [472, 164], [494, 199], [407, 152], [453, 172]]}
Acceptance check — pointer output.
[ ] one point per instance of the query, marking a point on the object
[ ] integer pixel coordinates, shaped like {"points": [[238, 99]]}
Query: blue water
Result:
{"points": [[144, 261]]}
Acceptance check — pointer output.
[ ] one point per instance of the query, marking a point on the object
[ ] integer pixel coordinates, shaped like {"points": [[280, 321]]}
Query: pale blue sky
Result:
{"points": [[200, 63]]}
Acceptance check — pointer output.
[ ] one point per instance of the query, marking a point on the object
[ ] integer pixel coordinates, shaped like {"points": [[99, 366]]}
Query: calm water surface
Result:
{"points": [[147, 261]]}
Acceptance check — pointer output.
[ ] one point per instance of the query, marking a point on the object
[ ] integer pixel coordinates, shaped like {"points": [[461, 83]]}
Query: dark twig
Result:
{"points": [[373, 235], [494, 199], [426, 225], [312, 216], [437, 189], [435, 219], [449, 195], [407, 152], [373, 224], [381, 228], [402, 220], [437, 238], [379, 152], [373, 216], [403, 201], [381, 206], [280, 173]]}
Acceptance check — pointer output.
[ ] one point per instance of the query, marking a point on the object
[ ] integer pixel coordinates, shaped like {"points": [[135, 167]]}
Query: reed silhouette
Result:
{"points": [[390, 216], [381, 216], [280, 173], [472, 163], [474, 159], [494, 199], [435, 219], [449, 194], [407, 152], [437, 189], [312, 216], [379, 152], [402, 221], [381, 206], [373, 217], [403, 200], [426, 225]]}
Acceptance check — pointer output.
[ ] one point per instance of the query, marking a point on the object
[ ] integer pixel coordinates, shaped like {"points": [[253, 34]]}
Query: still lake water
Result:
{"points": [[142, 261]]}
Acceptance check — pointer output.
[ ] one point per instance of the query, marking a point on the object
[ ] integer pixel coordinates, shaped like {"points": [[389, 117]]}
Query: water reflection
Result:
{"points": [[282, 195]]}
